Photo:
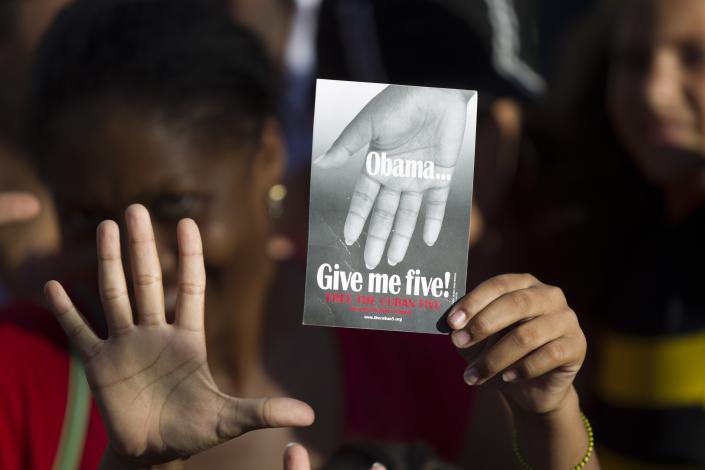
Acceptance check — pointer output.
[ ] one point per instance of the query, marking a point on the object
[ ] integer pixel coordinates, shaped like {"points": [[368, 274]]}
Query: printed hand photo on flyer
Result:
{"points": [[391, 192]]}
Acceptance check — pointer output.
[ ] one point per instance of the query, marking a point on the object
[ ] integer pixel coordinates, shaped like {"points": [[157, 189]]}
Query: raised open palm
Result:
{"points": [[150, 378], [411, 124]]}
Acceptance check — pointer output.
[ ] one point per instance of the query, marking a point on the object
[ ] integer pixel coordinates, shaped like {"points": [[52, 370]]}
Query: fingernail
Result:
{"points": [[461, 338], [457, 319], [431, 241], [378, 465], [509, 375], [471, 376], [368, 266], [348, 241], [292, 444], [391, 263], [320, 157]]}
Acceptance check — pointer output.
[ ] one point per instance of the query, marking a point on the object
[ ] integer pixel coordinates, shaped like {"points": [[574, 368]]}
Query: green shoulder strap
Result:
{"points": [[73, 432]]}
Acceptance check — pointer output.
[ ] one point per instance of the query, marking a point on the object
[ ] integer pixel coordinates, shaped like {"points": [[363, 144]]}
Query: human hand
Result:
{"points": [[150, 378], [517, 327], [17, 207], [296, 458], [409, 124]]}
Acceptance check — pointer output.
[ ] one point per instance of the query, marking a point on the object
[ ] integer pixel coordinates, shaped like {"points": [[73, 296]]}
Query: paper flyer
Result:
{"points": [[391, 194]]}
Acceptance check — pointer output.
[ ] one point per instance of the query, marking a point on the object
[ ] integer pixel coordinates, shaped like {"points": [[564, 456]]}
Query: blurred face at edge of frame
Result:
{"points": [[656, 87]]}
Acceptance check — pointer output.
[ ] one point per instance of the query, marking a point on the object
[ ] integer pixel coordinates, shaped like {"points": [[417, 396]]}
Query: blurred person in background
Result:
{"points": [[271, 21], [27, 249], [176, 110], [16, 207], [615, 214]]}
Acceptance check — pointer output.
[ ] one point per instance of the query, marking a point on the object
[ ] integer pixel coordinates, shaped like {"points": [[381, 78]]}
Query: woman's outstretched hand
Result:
{"points": [[521, 333], [150, 378]]}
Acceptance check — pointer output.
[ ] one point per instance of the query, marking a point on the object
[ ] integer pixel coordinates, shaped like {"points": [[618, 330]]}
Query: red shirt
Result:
{"points": [[34, 378]]}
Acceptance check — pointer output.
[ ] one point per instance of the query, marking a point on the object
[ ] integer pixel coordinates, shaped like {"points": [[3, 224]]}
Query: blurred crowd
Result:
{"points": [[590, 174]]}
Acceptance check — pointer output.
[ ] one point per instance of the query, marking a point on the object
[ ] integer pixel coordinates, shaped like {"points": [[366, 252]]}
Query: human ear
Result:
{"points": [[269, 162]]}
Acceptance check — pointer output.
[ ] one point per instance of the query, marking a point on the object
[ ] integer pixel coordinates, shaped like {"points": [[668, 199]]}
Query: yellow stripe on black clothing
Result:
{"points": [[652, 371], [652, 390]]}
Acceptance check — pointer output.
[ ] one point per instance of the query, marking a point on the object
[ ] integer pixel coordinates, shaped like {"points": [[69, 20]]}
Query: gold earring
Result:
{"points": [[275, 200]]}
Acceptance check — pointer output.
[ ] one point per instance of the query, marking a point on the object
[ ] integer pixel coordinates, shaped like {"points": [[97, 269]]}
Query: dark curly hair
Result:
{"points": [[186, 59]]}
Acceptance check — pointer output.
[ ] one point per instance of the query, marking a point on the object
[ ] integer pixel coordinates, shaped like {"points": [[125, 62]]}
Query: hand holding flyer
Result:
{"points": [[151, 378], [413, 138], [517, 327]]}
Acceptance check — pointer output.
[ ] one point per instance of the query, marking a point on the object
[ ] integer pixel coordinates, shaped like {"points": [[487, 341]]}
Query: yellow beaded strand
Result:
{"points": [[580, 465]]}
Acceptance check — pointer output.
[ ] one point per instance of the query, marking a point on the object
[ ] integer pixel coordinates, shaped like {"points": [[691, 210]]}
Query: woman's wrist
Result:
{"points": [[562, 413], [556, 439]]}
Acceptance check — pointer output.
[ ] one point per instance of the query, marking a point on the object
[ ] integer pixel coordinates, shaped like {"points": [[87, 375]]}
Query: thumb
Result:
{"points": [[450, 138], [355, 136], [296, 457], [240, 415]]}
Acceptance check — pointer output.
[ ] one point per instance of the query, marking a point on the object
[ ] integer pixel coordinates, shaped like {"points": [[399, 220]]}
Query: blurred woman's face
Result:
{"points": [[656, 87], [104, 160]]}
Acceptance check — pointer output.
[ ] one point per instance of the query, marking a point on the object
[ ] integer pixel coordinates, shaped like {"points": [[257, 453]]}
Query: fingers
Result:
{"points": [[409, 206], [484, 294], [380, 226], [192, 277], [17, 206], [361, 203], [525, 326], [559, 353], [435, 210], [79, 333], [111, 280], [146, 270], [354, 137], [509, 308], [515, 345], [240, 415], [296, 457]]}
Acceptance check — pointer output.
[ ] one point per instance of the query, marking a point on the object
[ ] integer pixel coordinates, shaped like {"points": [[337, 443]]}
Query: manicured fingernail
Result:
{"points": [[368, 266], [457, 319], [292, 444], [510, 375], [348, 241], [391, 263], [320, 157], [461, 338], [471, 376]]}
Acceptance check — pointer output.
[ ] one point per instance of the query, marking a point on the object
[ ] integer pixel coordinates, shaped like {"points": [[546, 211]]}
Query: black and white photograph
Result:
{"points": [[391, 191]]}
